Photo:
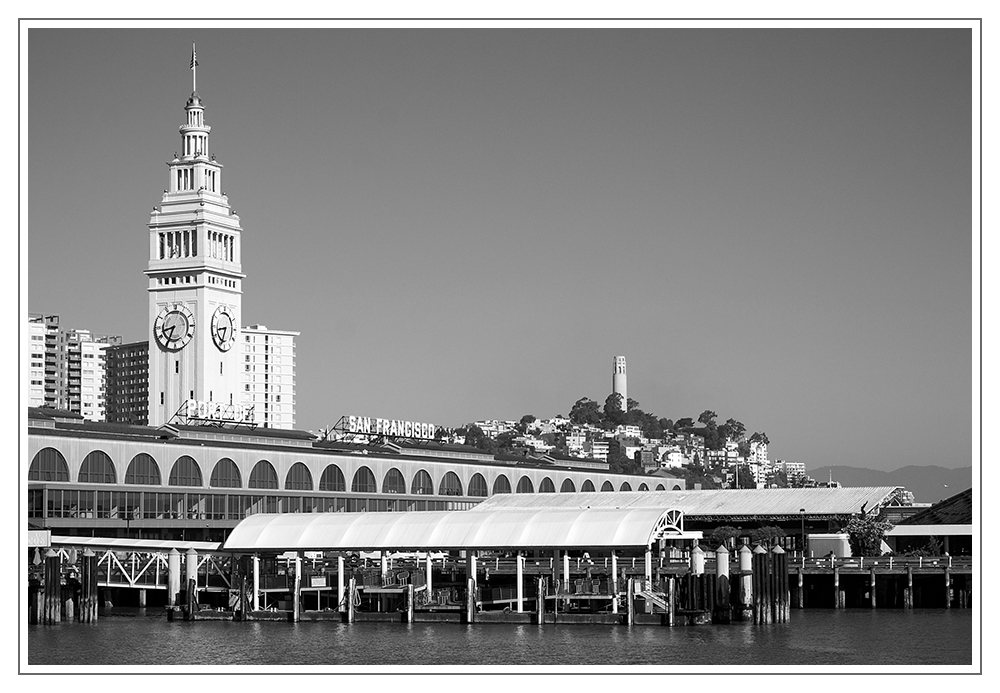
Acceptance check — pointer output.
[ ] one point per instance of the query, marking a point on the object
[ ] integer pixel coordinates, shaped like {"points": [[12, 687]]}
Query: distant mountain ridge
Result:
{"points": [[929, 484]]}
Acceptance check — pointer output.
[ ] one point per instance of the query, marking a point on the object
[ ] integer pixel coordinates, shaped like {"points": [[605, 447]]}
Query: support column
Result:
{"points": [[871, 584], [947, 588], [142, 598], [540, 600], [191, 573], [520, 583], [800, 596], [428, 568], [566, 580], [470, 586], [340, 584], [409, 603], [614, 582], [671, 600], [630, 592], [351, 591], [297, 589], [908, 592], [51, 607], [173, 576], [256, 583], [746, 583], [648, 568], [723, 611], [384, 567], [88, 586], [836, 587]]}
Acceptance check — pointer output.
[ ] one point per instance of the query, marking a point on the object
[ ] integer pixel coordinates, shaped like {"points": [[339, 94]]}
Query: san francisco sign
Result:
{"points": [[390, 428]]}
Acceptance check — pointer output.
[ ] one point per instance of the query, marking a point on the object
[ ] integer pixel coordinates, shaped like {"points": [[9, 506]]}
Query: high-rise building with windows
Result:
{"points": [[67, 367], [127, 383], [269, 375]]}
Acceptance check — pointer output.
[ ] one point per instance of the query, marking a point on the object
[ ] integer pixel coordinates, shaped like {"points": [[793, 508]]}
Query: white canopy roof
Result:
{"points": [[504, 528]]}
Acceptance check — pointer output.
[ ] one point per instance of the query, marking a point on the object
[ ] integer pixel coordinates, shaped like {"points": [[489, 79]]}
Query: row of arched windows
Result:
{"points": [[97, 468]]}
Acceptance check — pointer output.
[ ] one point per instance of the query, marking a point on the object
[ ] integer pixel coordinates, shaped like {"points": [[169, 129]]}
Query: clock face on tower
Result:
{"points": [[223, 328], [174, 327]]}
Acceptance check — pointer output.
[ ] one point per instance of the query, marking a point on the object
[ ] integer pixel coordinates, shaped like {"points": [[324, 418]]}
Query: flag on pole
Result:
{"points": [[194, 57]]}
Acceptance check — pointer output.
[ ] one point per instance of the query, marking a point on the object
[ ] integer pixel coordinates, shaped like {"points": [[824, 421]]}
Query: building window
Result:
{"points": [[97, 468], [364, 481], [263, 476], [143, 470], [185, 472], [451, 485], [298, 478], [332, 479], [477, 486], [547, 486], [422, 483], [568, 487], [225, 475], [501, 485], [48, 464], [525, 485], [393, 482]]}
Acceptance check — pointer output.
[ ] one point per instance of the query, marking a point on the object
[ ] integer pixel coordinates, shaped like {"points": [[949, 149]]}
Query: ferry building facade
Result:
{"points": [[195, 483]]}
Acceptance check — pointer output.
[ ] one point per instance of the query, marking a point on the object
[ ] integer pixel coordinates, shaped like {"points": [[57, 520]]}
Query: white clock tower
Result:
{"points": [[195, 280]]}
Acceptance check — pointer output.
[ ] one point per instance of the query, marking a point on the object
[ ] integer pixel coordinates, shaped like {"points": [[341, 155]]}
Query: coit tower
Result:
{"points": [[619, 385]]}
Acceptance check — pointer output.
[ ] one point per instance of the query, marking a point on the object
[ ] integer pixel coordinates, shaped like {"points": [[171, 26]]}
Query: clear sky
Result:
{"points": [[775, 224]]}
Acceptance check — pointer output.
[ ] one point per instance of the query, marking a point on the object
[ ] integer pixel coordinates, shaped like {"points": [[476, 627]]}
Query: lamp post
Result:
{"points": [[802, 516]]}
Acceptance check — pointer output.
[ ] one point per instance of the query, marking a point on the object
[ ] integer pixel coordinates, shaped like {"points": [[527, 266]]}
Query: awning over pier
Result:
{"points": [[515, 528]]}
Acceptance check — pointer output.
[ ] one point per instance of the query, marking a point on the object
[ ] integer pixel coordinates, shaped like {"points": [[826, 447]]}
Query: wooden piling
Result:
{"points": [[409, 603], [800, 594], [630, 618], [88, 587], [947, 588], [871, 585], [908, 591], [671, 600], [352, 589], [51, 596], [540, 600], [836, 587]]}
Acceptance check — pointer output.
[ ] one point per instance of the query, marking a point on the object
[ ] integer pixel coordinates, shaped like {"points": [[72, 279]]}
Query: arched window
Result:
{"points": [[607, 486], [643, 487], [546, 486], [588, 485], [567, 486], [143, 470], [393, 482], [185, 472], [97, 468], [625, 486], [478, 487], [501, 485], [332, 479], [225, 475], [451, 485], [659, 487], [422, 484], [48, 464], [364, 481], [298, 478], [677, 487], [263, 476], [525, 485]]}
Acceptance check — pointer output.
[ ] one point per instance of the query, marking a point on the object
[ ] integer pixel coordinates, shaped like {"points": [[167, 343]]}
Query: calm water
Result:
{"points": [[815, 637]]}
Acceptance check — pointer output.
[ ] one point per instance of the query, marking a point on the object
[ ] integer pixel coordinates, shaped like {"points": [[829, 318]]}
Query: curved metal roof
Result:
{"points": [[714, 503], [504, 528]]}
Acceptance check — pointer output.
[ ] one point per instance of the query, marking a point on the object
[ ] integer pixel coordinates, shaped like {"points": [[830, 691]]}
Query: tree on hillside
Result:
{"points": [[614, 414], [526, 420], [475, 437], [618, 462], [586, 411], [707, 417], [632, 404], [759, 437], [682, 424], [733, 430]]}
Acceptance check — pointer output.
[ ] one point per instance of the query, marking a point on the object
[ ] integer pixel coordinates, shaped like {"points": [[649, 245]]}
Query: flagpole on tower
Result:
{"points": [[194, 69]]}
